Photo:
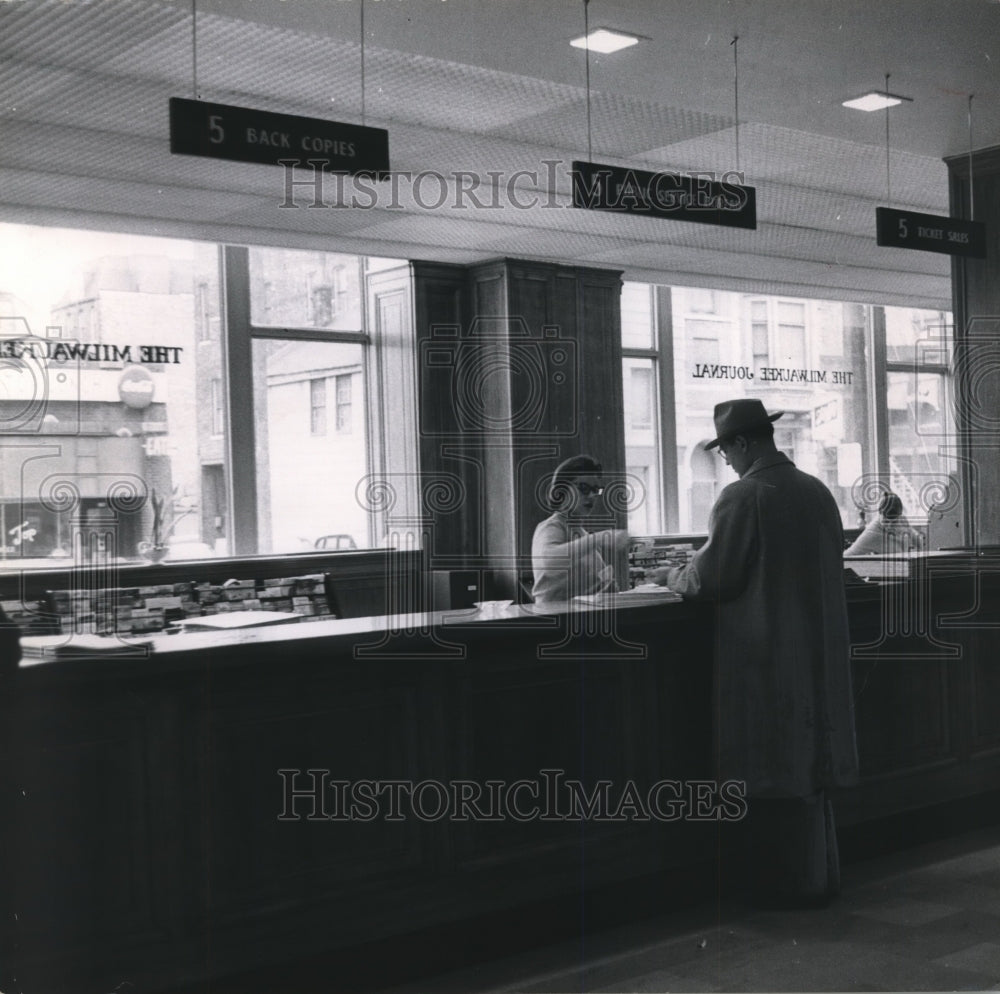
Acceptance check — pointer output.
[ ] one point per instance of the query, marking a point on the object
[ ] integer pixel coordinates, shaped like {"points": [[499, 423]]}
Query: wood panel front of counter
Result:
{"points": [[222, 806]]}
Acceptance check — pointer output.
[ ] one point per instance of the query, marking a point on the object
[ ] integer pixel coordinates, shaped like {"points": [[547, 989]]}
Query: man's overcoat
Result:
{"points": [[773, 565]]}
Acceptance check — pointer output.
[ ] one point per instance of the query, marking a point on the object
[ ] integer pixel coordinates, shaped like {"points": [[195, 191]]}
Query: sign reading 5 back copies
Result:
{"points": [[242, 134]]}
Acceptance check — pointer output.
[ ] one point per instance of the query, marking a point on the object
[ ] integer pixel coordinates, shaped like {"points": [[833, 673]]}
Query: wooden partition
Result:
{"points": [[519, 368]]}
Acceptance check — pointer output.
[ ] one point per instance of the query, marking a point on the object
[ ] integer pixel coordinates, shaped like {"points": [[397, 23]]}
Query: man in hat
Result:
{"points": [[773, 567]]}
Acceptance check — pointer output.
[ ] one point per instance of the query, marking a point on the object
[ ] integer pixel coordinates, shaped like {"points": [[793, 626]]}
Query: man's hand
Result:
{"points": [[658, 575]]}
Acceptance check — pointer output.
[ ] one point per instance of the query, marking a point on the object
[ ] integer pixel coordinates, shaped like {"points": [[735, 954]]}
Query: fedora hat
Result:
{"points": [[736, 417]]}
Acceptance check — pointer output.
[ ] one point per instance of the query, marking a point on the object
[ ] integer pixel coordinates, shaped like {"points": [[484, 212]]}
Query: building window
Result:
{"points": [[702, 301], [703, 351], [317, 406], [321, 291], [344, 420], [640, 396], [218, 420], [759, 335], [202, 313], [791, 337]]}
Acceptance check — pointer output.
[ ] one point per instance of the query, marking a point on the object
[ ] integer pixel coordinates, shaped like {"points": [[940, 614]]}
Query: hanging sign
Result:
{"points": [[221, 131], [930, 232], [676, 196]]}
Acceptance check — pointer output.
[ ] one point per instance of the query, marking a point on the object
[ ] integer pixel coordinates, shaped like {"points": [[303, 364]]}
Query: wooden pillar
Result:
{"points": [[976, 308], [519, 368], [449, 455]]}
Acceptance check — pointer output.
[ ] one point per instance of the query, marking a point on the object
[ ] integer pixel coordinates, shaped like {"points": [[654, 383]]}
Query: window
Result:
{"points": [[917, 401], [759, 335], [317, 407], [326, 297], [702, 301], [640, 395], [306, 485], [294, 289], [791, 334], [201, 316], [120, 404], [641, 390], [217, 416], [813, 360], [637, 316], [703, 350], [344, 403], [111, 410]]}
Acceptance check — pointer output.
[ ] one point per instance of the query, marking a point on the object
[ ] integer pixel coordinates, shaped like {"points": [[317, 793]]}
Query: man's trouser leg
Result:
{"points": [[792, 848]]}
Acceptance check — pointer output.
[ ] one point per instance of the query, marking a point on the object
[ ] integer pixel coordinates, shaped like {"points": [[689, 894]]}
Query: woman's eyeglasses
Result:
{"points": [[588, 489]]}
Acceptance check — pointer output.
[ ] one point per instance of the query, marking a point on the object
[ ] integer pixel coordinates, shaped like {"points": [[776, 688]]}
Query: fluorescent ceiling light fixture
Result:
{"points": [[876, 101], [605, 40]]}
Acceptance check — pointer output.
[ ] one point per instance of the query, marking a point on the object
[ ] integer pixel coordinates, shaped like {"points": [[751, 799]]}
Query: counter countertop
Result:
{"points": [[173, 648], [489, 616]]}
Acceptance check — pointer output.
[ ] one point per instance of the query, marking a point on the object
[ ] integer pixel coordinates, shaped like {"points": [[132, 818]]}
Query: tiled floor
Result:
{"points": [[927, 919]]}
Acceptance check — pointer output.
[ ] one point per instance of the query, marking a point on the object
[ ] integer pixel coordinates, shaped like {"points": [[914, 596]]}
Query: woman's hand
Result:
{"points": [[617, 540]]}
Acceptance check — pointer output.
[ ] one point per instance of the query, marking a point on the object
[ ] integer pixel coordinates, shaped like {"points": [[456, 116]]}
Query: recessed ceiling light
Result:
{"points": [[876, 101], [605, 40]]}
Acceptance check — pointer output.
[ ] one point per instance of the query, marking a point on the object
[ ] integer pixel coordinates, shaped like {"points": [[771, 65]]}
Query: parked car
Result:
{"points": [[335, 542]]}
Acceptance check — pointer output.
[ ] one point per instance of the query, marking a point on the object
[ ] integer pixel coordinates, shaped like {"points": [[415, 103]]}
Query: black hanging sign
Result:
{"points": [[676, 196], [930, 232], [221, 131]]}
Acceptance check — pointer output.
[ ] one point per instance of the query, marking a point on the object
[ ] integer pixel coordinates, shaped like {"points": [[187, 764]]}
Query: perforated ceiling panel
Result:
{"points": [[85, 88]]}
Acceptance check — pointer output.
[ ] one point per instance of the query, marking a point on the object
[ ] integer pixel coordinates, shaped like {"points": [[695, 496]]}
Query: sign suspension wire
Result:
{"points": [[972, 206], [362, 63], [194, 49], [888, 182], [736, 95], [586, 35]]}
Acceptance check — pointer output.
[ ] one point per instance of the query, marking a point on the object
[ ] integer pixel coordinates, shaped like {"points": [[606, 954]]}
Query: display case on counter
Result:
{"points": [[147, 598], [651, 552]]}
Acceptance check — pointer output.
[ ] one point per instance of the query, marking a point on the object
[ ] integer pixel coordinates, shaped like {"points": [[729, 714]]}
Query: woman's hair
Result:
{"points": [[890, 506], [565, 473]]}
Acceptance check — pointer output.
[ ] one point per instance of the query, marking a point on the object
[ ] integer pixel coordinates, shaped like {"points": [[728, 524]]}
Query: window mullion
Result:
{"points": [[878, 389], [663, 339], [238, 369]]}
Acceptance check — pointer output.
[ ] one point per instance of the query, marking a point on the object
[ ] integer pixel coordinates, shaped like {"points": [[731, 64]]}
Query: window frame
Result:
{"points": [[344, 426], [239, 334], [883, 447], [218, 407], [664, 425], [663, 351], [317, 411]]}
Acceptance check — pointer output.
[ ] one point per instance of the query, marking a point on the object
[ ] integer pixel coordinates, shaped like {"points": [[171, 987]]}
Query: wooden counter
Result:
{"points": [[143, 798]]}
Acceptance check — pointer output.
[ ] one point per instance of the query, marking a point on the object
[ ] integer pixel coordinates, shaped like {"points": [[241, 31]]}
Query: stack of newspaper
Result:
{"points": [[69, 646]]}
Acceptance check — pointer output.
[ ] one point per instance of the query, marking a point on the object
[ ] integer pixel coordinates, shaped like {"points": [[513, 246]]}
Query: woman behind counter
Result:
{"points": [[890, 533], [566, 559]]}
